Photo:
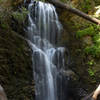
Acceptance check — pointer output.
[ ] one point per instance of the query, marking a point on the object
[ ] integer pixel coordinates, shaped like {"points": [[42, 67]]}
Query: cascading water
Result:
{"points": [[48, 60]]}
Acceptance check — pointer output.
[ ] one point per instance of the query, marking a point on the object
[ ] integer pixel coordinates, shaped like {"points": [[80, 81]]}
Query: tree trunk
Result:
{"points": [[61, 5]]}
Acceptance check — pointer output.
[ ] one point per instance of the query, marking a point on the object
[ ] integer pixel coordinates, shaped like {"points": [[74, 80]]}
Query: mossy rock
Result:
{"points": [[16, 72], [87, 32], [20, 16], [16, 75]]}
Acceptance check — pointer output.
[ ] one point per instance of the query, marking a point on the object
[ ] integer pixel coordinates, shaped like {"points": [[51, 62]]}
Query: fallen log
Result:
{"points": [[61, 5]]}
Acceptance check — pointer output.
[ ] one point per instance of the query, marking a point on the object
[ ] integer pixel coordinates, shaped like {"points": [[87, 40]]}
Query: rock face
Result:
{"points": [[84, 65], [15, 60], [15, 67]]}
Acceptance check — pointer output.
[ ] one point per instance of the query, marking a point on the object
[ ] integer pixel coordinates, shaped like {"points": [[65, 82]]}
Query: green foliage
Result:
{"points": [[95, 48], [96, 39], [87, 31], [91, 62], [90, 69], [4, 26], [87, 5], [5, 14], [93, 31], [20, 16], [91, 72]]}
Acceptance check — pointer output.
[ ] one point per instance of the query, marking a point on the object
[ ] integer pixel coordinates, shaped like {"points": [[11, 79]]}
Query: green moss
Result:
{"points": [[93, 31], [20, 16], [96, 39], [4, 26], [91, 72], [91, 62], [15, 70], [87, 5], [95, 48], [88, 31], [81, 52], [5, 15]]}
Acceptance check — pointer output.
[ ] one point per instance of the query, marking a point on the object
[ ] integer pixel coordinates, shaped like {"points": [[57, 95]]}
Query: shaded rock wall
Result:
{"points": [[80, 61], [15, 67], [16, 73]]}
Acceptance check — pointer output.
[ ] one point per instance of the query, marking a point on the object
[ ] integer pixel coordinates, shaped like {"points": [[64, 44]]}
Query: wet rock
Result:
{"points": [[15, 67], [70, 74], [73, 85], [15, 60]]}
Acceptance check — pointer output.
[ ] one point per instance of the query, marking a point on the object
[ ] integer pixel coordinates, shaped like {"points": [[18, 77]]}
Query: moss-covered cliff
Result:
{"points": [[15, 60], [82, 39]]}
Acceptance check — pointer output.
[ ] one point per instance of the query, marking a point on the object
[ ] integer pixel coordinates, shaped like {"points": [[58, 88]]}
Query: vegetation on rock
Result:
{"points": [[20, 16], [82, 39], [15, 60]]}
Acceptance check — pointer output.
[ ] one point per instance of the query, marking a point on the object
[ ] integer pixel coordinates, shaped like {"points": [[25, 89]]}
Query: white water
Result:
{"points": [[43, 32]]}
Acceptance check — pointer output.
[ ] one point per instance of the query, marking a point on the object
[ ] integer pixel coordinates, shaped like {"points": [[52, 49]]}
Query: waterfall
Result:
{"points": [[44, 31]]}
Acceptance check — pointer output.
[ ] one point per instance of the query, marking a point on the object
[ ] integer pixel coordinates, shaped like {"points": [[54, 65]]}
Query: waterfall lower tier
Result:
{"points": [[48, 60]]}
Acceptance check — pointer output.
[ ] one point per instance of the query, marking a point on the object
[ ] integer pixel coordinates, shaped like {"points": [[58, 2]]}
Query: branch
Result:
{"points": [[61, 5], [96, 93]]}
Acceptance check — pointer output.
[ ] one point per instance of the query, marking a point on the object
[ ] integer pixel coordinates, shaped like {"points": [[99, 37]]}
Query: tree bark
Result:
{"points": [[61, 5], [96, 93]]}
